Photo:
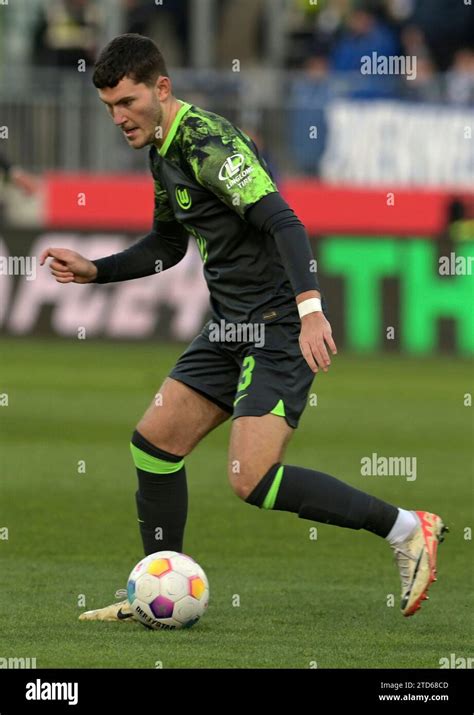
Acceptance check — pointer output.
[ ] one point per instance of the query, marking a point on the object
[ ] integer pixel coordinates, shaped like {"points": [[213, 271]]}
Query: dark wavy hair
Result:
{"points": [[130, 55]]}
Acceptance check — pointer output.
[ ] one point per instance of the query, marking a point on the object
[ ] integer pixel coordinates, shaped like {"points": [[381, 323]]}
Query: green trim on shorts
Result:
{"points": [[279, 409], [270, 499], [148, 463]]}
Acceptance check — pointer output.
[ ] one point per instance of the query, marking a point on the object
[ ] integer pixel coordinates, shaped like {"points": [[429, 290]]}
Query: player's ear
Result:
{"points": [[163, 88]]}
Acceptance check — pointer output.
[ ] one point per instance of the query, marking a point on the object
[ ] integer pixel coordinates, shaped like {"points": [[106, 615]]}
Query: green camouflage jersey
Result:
{"points": [[207, 174]]}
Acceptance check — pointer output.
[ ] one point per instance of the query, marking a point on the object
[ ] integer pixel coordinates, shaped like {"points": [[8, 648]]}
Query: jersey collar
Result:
{"points": [[174, 128]]}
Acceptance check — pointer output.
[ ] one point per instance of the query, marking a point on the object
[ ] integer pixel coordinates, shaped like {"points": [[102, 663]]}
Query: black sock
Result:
{"points": [[320, 497], [162, 496]]}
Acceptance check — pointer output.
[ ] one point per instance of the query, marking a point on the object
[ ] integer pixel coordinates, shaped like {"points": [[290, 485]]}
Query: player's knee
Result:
{"points": [[142, 437], [242, 488], [255, 487], [141, 431], [162, 438], [243, 478]]}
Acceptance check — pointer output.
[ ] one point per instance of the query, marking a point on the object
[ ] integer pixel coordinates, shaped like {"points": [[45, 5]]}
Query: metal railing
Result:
{"points": [[55, 121]]}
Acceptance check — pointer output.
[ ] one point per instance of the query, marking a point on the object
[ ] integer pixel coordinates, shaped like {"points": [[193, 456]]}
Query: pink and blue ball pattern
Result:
{"points": [[131, 591], [162, 607]]}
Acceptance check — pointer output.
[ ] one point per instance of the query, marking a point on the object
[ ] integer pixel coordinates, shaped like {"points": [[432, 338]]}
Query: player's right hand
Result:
{"points": [[69, 266]]}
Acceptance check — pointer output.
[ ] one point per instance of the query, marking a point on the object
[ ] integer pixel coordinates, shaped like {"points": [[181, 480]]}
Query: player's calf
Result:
{"points": [[414, 536]]}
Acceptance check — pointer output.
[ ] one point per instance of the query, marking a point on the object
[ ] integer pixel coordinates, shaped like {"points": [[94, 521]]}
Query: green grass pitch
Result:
{"points": [[279, 598]]}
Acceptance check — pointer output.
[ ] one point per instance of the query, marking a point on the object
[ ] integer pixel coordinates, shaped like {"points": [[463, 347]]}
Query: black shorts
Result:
{"points": [[247, 379]]}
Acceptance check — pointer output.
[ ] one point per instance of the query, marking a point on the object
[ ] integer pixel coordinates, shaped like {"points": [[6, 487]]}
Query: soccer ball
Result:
{"points": [[168, 590]]}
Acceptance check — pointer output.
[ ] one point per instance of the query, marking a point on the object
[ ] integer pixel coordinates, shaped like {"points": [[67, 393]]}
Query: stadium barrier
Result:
{"points": [[396, 269]]}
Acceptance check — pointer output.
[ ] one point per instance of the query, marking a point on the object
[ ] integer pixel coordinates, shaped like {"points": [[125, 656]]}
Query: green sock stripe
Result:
{"points": [[148, 463], [270, 499]]}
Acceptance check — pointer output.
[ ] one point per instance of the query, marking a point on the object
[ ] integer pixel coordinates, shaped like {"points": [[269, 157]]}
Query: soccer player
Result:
{"points": [[210, 182]]}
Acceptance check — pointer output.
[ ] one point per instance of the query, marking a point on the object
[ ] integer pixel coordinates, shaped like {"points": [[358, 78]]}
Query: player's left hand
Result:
{"points": [[315, 335]]}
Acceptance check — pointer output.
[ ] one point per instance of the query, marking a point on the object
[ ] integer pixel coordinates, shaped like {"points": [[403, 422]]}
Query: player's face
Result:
{"points": [[136, 109]]}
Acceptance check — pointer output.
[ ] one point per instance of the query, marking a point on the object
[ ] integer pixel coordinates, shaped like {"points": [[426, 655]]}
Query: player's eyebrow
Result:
{"points": [[119, 101]]}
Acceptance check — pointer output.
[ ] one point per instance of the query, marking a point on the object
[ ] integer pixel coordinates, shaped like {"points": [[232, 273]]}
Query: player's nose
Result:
{"points": [[118, 117]]}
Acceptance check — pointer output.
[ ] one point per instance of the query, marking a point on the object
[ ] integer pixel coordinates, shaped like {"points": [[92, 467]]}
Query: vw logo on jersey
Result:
{"points": [[231, 167], [183, 198]]}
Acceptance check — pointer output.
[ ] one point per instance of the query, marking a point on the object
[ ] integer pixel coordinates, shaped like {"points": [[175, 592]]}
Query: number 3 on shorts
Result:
{"points": [[248, 366]]}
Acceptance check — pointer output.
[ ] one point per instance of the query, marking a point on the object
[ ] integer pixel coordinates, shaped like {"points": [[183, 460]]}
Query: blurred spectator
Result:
{"points": [[447, 26], [309, 96], [239, 34], [426, 86], [23, 180], [460, 78], [365, 35], [414, 42], [311, 29], [26, 182], [166, 24], [66, 31]]}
